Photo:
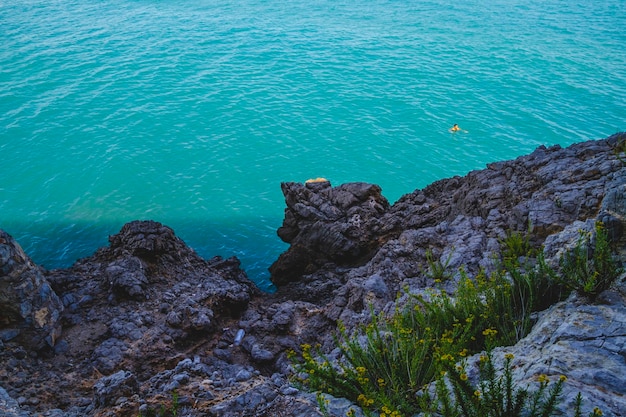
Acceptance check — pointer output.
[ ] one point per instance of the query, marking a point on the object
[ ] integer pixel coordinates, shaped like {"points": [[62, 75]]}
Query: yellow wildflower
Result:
{"points": [[490, 332], [543, 379], [447, 357]]}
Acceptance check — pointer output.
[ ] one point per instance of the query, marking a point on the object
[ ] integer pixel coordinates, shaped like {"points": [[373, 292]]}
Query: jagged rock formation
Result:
{"points": [[325, 224], [146, 317], [30, 309], [132, 308], [549, 189]]}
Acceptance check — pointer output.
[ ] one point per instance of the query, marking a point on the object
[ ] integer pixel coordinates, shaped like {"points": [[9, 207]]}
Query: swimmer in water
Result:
{"points": [[456, 128]]}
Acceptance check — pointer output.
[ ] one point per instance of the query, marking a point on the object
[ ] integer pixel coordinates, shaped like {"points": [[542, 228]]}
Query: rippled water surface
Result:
{"points": [[192, 113]]}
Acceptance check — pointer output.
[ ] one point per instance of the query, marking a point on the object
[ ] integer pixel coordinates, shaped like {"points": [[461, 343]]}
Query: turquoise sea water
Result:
{"points": [[192, 113]]}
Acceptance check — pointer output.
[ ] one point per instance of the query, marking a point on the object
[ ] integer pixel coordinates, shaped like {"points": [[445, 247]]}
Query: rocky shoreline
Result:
{"points": [[146, 322]]}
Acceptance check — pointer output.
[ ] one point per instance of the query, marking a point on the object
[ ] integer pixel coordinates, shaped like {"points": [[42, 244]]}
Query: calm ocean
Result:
{"points": [[192, 113]]}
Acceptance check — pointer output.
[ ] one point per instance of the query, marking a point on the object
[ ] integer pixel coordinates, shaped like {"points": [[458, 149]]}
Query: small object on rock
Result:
{"points": [[318, 179], [239, 337]]}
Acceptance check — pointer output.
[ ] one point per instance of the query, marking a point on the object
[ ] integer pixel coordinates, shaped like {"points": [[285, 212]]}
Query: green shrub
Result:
{"points": [[437, 269], [516, 245], [494, 395], [388, 361], [590, 267], [384, 367], [535, 281], [619, 149]]}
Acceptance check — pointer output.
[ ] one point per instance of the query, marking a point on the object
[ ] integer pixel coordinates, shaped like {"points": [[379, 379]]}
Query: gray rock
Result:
{"points": [[10, 407], [243, 375], [260, 354], [127, 277], [283, 316], [376, 285], [31, 310], [109, 389], [340, 407], [584, 342], [325, 224], [109, 355], [248, 402]]}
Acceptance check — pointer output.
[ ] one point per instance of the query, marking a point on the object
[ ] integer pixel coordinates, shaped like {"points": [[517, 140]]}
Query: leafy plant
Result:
{"points": [[388, 361], [620, 149], [495, 394], [437, 269], [384, 367], [590, 267], [514, 246], [536, 286]]}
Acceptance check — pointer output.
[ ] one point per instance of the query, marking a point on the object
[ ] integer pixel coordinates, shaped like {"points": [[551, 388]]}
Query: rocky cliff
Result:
{"points": [[146, 322]]}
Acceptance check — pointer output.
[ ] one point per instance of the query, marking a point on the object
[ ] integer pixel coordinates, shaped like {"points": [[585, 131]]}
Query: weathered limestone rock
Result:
{"points": [[30, 308], [586, 343], [134, 306], [127, 277]]}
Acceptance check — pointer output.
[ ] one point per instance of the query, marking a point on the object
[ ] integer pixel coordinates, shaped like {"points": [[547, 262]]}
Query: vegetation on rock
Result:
{"points": [[590, 267], [387, 365]]}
